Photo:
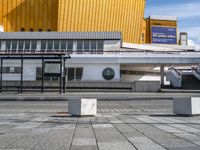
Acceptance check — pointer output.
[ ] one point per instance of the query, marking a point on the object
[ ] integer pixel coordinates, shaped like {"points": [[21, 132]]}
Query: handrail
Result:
{"points": [[34, 51]]}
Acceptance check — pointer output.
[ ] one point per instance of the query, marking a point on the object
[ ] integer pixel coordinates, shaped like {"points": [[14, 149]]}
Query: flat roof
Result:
{"points": [[61, 35], [170, 18]]}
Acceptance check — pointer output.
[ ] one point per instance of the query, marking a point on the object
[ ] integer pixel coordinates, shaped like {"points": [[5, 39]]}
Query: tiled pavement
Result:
{"points": [[120, 125]]}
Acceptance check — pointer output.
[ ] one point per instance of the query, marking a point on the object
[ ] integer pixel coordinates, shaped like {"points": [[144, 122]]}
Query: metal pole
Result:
{"points": [[1, 74], [162, 74], [60, 75], [64, 79], [22, 66], [42, 80]]}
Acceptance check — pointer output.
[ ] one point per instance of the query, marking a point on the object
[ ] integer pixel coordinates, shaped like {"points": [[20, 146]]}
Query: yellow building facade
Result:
{"points": [[158, 22], [75, 16]]}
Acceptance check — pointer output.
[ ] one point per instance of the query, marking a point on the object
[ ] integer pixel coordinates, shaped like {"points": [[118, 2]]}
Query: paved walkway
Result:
{"points": [[120, 125]]}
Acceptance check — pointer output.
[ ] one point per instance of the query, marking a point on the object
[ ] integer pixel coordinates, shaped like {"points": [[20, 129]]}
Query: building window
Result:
{"points": [[63, 45], [40, 30], [56, 44], [70, 46], [74, 74], [14, 45], [22, 29], [31, 30], [49, 30], [86, 46], [20, 45], [27, 44], [8, 44], [50, 45], [79, 47], [33, 44], [93, 46], [11, 70], [100, 46], [43, 44]]}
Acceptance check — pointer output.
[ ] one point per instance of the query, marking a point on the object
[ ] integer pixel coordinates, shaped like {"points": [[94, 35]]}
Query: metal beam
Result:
{"points": [[42, 80], [22, 68], [64, 77], [61, 75], [162, 75], [1, 78]]}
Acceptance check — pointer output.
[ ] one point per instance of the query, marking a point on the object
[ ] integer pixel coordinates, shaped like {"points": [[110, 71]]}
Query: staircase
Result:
{"points": [[174, 77], [196, 72]]}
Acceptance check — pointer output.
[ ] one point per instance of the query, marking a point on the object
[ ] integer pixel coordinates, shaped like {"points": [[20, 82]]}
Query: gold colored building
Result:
{"points": [[158, 21], [75, 15]]}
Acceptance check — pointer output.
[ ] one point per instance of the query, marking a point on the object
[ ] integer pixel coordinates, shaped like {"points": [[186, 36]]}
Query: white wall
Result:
{"points": [[93, 72]]}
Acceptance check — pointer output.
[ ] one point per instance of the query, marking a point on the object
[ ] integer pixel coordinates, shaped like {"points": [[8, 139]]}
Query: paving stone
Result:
{"points": [[121, 124]]}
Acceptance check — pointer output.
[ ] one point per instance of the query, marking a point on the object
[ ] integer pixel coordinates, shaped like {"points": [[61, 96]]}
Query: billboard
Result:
{"points": [[163, 35]]}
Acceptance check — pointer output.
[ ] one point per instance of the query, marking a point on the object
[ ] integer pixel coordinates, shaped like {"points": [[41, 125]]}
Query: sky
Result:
{"points": [[187, 11]]}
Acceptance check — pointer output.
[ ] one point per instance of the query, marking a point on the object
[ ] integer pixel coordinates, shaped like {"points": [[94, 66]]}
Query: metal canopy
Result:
{"points": [[59, 56]]}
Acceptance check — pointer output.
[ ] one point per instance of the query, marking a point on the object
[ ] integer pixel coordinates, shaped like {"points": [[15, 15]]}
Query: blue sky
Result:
{"points": [[187, 11]]}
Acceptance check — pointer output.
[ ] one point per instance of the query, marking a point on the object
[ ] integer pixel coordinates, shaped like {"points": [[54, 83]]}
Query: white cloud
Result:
{"points": [[193, 34], [192, 43]]}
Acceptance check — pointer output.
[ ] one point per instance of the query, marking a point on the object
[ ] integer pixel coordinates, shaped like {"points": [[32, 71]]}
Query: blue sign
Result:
{"points": [[164, 35]]}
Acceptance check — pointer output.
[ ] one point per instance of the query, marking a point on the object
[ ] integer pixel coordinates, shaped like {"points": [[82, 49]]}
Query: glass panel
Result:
{"points": [[0, 44], [17, 69], [56, 44], [63, 45], [43, 44], [93, 45], [34, 45], [100, 45], [38, 73], [21, 45], [79, 45], [6, 70], [50, 45], [86, 46], [70, 74], [8, 45], [70, 45], [14, 44], [79, 73], [27, 45]]}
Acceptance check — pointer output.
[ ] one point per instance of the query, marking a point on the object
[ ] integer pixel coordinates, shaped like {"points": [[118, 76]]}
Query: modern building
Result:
{"points": [[124, 16], [97, 60], [161, 30]]}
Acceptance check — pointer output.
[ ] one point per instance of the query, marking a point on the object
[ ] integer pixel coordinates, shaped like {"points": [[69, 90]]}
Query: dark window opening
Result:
{"points": [[34, 45], [22, 29], [21, 45], [8, 44], [43, 45], [27, 45], [14, 44], [11, 70]]}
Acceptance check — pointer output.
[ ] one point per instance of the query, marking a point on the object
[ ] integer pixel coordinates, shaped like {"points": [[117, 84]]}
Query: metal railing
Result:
{"points": [[123, 51]]}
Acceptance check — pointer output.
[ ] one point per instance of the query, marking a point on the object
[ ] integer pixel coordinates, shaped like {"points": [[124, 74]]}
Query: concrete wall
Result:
{"points": [[138, 86], [146, 86]]}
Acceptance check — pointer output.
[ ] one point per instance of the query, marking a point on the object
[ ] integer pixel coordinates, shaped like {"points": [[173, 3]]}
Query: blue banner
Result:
{"points": [[164, 35]]}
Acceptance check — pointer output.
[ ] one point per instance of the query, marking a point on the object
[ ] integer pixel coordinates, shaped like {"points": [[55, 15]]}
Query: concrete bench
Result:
{"points": [[186, 106], [82, 107]]}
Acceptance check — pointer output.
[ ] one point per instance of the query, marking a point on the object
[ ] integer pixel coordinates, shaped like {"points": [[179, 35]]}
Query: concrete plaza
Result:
{"points": [[134, 124]]}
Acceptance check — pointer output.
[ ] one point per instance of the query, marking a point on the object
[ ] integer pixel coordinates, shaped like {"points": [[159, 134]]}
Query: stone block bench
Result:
{"points": [[186, 106], [82, 107]]}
